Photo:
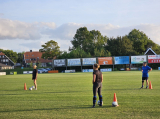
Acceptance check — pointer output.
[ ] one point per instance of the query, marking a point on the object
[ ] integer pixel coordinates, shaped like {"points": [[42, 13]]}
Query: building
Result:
{"points": [[150, 52], [3, 67], [34, 57], [5, 61]]}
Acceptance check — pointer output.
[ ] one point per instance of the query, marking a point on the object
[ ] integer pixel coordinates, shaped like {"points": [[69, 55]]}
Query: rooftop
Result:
{"points": [[35, 55]]}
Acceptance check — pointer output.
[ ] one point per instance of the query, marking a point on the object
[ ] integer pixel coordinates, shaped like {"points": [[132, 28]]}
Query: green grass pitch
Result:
{"points": [[70, 96]]}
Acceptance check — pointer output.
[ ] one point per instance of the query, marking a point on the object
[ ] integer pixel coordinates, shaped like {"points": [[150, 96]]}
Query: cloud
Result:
{"points": [[10, 29], [67, 31], [34, 44], [17, 35], [63, 32], [1, 14]]}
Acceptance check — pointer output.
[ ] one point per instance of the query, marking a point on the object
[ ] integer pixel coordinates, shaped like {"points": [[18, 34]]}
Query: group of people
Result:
{"points": [[98, 79]]}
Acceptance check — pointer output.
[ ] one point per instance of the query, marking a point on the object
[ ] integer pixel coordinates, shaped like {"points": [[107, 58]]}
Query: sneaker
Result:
{"points": [[146, 87], [141, 87], [93, 106], [35, 88], [100, 105]]}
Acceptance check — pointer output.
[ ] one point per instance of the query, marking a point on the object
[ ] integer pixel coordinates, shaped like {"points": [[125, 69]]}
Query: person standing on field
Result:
{"points": [[145, 70], [34, 76], [97, 84]]}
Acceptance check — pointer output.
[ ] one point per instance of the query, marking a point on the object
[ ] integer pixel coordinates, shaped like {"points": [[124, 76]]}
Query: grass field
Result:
{"points": [[70, 96]]}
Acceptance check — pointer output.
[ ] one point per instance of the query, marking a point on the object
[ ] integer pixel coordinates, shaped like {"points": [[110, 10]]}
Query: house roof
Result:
{"points": [[35, 55], [3, 65], [150, 49], [1, 53]]}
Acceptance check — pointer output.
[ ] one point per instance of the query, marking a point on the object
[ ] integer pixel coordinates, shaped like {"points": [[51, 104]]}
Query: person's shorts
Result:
{"points": [[144, 78], [34, 78]]}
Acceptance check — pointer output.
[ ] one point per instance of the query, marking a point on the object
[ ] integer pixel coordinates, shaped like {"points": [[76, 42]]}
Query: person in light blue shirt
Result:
{"points": [[145, 70]]}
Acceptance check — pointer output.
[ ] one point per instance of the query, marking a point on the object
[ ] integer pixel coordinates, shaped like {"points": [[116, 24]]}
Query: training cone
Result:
{"points": [[115, 103], [25, 87], [150, 85]]}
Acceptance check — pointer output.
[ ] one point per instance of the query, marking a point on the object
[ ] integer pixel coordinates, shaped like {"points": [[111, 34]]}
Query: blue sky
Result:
{"points": [[27, 24]]}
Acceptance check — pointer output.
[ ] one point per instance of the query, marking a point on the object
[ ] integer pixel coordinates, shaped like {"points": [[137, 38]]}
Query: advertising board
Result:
{"points": [[138, 59], [121, 60], [105, 61], [87, 70], [70, 71], [88, 61], [153, 58], [13, 73], [106, 70], [59, 63], [2, 73], [74, 62], [27, 72]]}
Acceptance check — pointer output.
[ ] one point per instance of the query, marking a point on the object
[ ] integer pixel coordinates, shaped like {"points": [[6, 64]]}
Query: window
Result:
{"points": [[6, 60], [27, 59], [0, 56], [3, 56], [32, 55], [3, 60], [33, 59]]}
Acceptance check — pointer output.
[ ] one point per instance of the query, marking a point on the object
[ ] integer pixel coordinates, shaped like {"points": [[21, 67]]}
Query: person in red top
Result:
{"points": [[97, 84]]}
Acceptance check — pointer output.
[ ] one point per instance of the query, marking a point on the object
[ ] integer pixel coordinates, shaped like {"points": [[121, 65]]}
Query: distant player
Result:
{"points": [[34, 76], [145, 70], [97, 84]]}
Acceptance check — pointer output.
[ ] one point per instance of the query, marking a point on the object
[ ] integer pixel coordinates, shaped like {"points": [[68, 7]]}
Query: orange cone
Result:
{"points": [[115, 103], [150, 85], [25, 87]]}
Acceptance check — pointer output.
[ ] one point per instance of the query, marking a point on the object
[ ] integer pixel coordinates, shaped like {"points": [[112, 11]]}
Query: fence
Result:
{"points": [[116, 62]]}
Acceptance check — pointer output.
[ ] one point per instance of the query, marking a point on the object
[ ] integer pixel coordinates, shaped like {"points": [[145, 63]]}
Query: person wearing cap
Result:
{"points": [[97, 84], [34, 76]]}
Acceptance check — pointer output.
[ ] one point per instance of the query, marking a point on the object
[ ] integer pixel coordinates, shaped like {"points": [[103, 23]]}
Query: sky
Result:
{"points": [[27, 24]]}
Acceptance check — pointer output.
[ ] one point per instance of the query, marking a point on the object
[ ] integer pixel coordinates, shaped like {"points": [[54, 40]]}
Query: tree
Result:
{"points": [[63, 55], [98, 39], [39, 64], [101, 52], [50, 50], [79, 53], [20, 57], [88, 40], [31, 64], [140, 41], [155, 47], [82, 39], [120, 46]]}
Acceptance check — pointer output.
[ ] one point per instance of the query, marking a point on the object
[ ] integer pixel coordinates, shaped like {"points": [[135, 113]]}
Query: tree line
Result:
{"points": [[92, 43]]}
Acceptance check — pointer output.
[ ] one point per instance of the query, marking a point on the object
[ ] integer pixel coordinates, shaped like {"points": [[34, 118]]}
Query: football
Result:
{"points": [[30, 88], [99, 102], [114, 104]]}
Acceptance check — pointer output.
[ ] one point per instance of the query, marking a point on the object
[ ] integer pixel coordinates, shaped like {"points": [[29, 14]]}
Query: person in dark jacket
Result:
{"points": [[97, 84], [34, 76]]}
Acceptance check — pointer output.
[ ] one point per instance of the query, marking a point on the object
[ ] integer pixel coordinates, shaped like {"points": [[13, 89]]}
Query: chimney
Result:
{"points": [[30, 50]]}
